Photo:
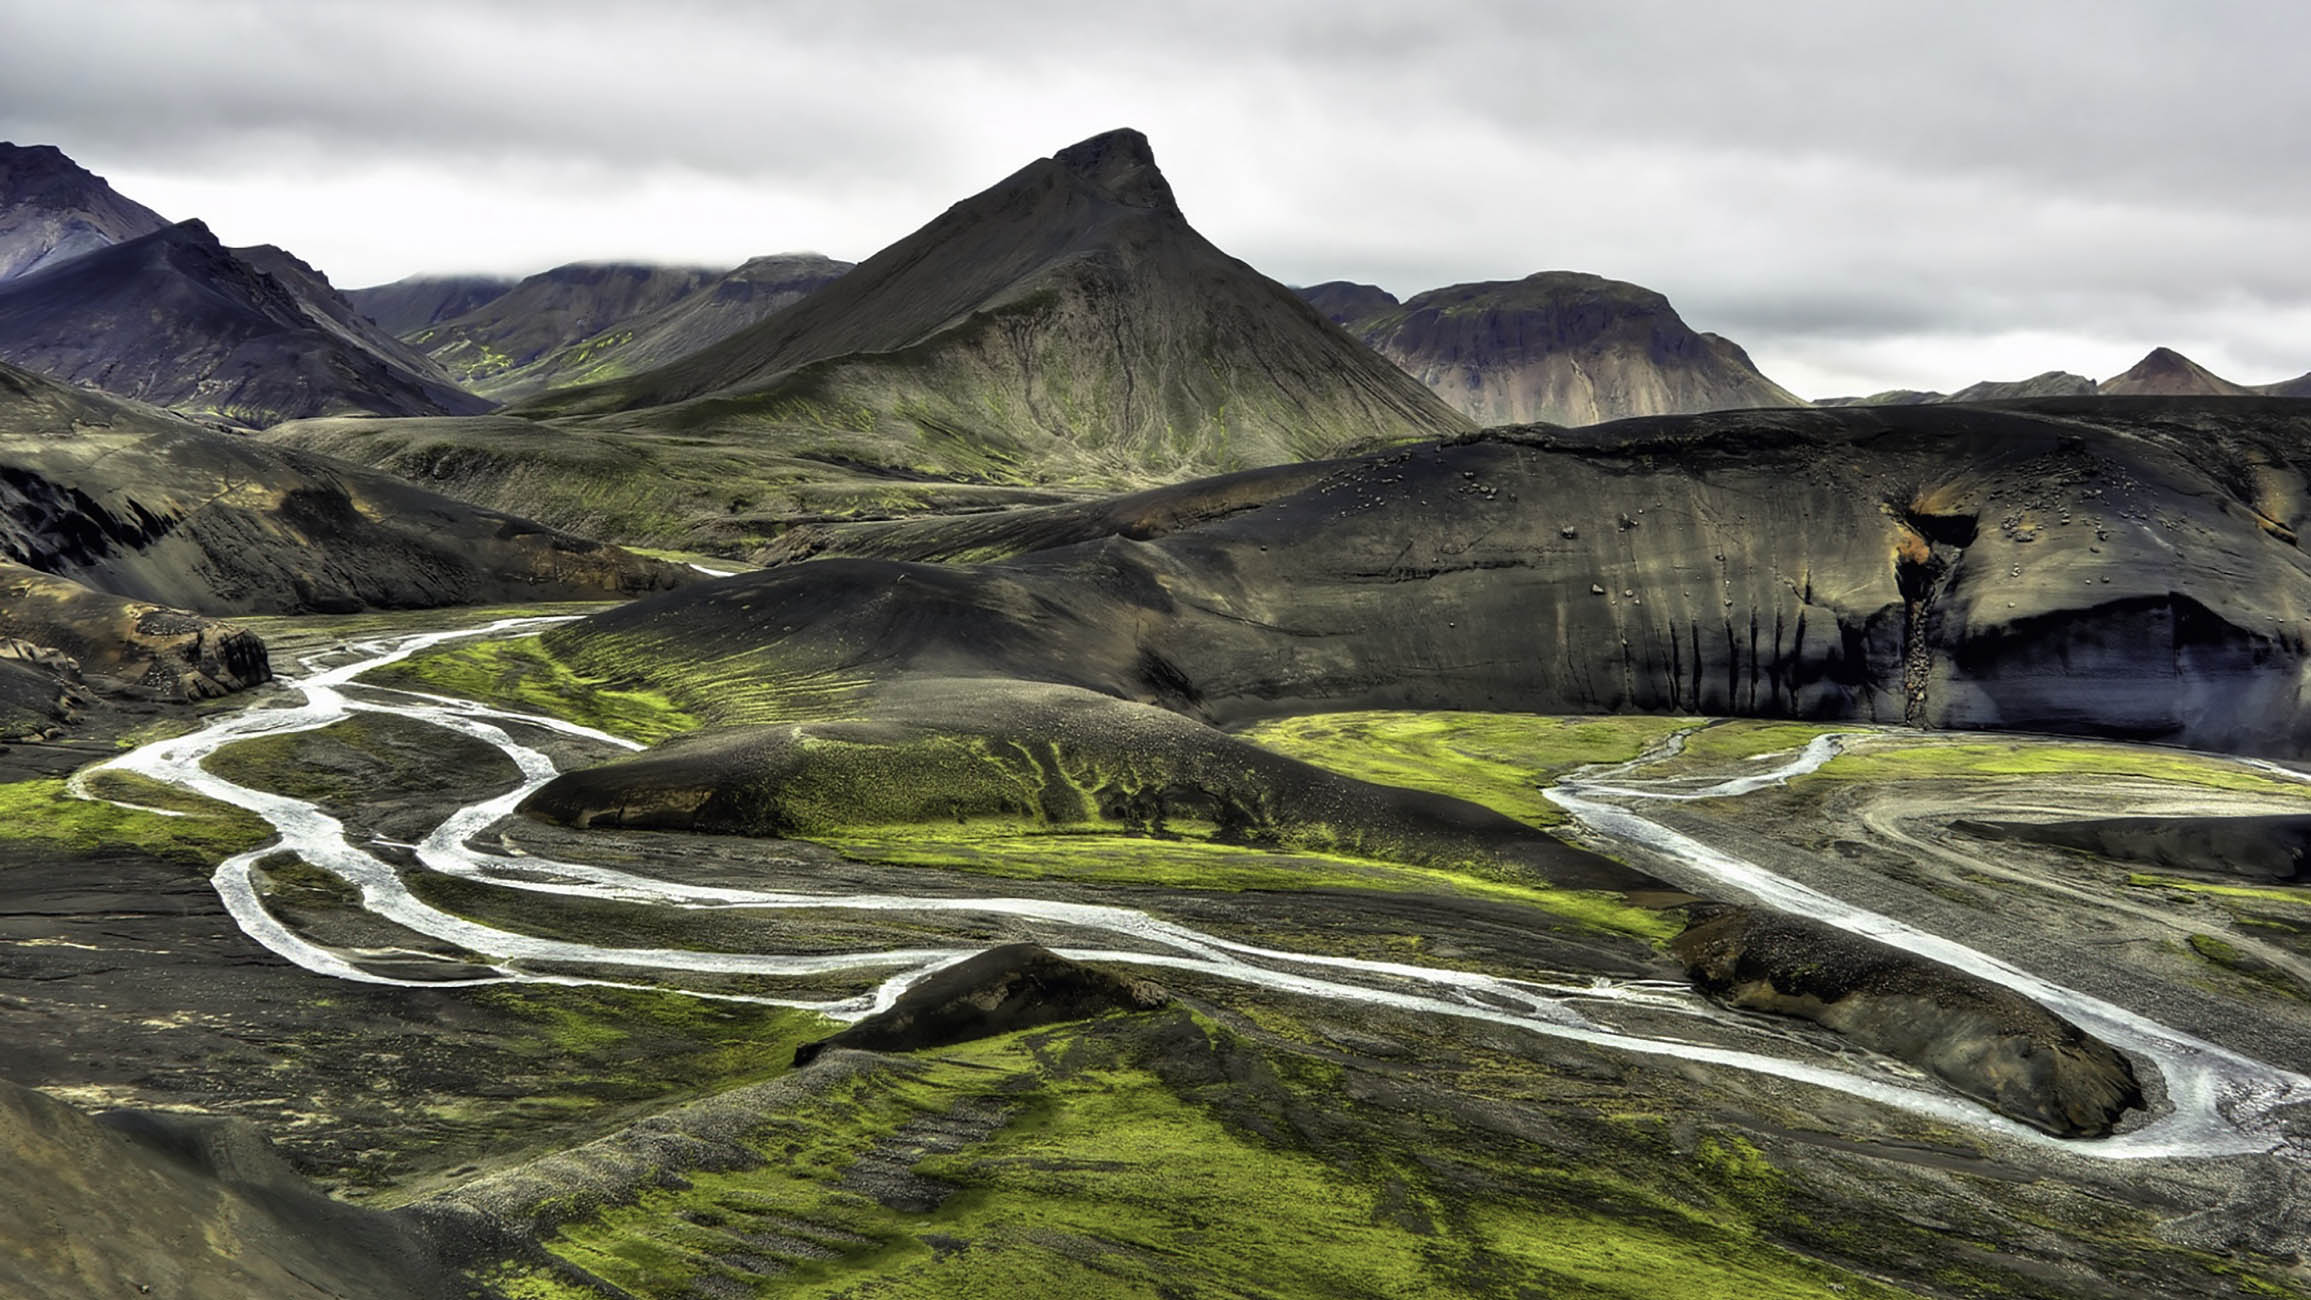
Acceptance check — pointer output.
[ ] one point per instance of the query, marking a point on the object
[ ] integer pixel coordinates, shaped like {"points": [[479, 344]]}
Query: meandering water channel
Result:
{"points": [[2219, 1101]]}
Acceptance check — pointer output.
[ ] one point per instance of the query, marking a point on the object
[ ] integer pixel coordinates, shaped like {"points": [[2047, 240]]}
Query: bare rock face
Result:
{"points": [[1990, 1043], [124, 646], [1017, 986]]}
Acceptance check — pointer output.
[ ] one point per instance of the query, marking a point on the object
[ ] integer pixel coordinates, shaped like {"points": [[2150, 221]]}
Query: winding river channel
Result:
{"points": [[2218, 1102]]}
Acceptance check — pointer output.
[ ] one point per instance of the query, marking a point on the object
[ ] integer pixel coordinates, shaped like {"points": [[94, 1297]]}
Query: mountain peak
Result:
{"points": [[1122, 165], [2166, 372]]}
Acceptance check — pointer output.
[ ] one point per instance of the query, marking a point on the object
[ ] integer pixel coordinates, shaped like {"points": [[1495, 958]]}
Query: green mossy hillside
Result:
{"points": [[46, 812]]}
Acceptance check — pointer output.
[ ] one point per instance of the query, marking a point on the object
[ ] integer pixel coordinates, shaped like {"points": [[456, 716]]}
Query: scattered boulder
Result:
{"points": [[1988, 1042], [1017, 986]]}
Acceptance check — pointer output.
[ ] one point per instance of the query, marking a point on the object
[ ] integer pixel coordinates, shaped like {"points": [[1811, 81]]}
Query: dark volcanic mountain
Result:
{"points": [[409, 305], [1345, 302], [139, 503], [2168, 373], [2053, 383], [1564, 348], [2101, 566], [53, 210], [1066, 324], [511, 345], [177, 319], [2300, 386]]}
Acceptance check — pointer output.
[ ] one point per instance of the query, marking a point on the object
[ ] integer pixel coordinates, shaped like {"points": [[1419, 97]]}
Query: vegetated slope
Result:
{"points": [[497, 347], [176, 319], [1065, 325], [714, 311], [2168, 373], [2120, 568], [133, 501], [53, 210], [1563, 348], [410, 304]]}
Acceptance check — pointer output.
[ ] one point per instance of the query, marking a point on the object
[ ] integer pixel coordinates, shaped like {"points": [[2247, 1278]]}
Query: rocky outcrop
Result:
{"points": [[1563, 348], [121, 646], [1000, 991], [1990, 1043]]}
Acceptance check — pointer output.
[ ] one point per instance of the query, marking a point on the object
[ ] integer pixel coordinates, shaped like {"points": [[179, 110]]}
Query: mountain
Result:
{"points": [[135, 502], [1067, 324], [1890, 397], [53, 210], [1562, 347], [1343, 302], [2300, 386], [2168, 373], [499, 347], [409, 305], [2053, 383], [176, 319]]}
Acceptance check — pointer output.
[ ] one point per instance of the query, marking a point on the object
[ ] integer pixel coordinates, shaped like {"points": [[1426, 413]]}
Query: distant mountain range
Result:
{"points": [[1557, 347], [2163, 373]]}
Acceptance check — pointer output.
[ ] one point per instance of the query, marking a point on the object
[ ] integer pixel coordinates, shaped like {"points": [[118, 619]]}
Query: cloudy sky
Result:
{"points": [[1867, 194]]}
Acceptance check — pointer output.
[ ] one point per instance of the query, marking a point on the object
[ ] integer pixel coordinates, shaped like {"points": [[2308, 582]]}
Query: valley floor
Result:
{"points": [[1374, 1078]]}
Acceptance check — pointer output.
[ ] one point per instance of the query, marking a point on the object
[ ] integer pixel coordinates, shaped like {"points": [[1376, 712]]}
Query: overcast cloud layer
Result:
{"points": [[1866, 195]]}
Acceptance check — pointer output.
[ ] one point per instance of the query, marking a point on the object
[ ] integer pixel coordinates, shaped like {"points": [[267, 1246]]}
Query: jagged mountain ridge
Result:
{"points": [[1560, 347], [53, 210], [1066, 323]]}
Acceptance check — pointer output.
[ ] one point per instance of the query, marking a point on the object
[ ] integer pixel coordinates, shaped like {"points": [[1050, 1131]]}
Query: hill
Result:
{"points": [[513, 344], [2168, 373]]}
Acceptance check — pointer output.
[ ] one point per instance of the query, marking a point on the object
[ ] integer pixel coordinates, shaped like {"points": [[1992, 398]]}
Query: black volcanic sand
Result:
{"points": [[2256, 848], [125, 984]]}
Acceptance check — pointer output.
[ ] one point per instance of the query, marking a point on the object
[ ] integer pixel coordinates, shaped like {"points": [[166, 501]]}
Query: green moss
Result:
{"points": [[1107, 1181], [1197, 864], [2295, 897], [522, 673], [1938, 759], [43, 812], [1501, 760]]}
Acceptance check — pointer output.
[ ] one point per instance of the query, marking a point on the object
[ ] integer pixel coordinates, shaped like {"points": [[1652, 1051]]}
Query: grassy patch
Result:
{"points": [[1501, 760], [2295, 897], [1967, 759], [42, 812], [1107, 1181], [521, 673]]}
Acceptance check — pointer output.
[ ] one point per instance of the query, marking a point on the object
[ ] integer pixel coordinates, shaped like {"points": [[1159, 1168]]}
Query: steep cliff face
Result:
{"points": [[2121, 568], [1563, 348], [176, 319], [53, 210], [1067, 324]]}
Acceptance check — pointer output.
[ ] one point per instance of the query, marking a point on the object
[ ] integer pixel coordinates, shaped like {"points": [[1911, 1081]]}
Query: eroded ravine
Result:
{"points": [[2220, 1102]]}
